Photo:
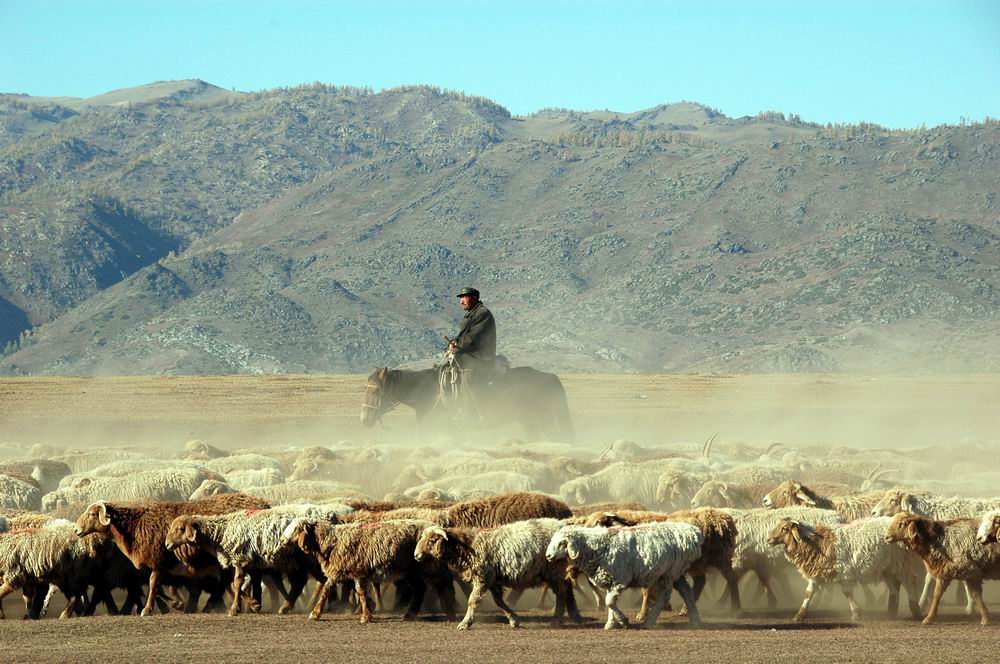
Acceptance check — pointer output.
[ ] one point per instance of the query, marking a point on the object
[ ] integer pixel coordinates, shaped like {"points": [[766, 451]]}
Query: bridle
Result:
{"points": [[377, 384]]}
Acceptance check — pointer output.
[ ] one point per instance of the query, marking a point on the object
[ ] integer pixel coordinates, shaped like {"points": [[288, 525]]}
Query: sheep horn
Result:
{"points": [[871, 475], [605, 452], [706, 449], [772, 447], [887, 471]]}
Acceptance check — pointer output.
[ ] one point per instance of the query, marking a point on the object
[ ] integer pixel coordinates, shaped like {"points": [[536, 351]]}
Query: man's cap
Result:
{"points": [[468, 291]]}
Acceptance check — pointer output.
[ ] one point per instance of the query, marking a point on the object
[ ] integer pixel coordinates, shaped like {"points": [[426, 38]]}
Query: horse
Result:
{"points": [[534, 399]]}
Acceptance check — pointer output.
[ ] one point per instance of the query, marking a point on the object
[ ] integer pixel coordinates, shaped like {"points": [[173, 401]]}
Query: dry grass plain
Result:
{"points": [[299, 410]]}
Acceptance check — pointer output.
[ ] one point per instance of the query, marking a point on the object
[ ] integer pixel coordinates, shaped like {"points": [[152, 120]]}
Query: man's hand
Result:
{"points": [[452, 346]]}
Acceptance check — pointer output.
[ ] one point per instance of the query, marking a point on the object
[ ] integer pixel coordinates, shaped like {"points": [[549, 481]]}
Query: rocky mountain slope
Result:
{"points": [[180, 228]]}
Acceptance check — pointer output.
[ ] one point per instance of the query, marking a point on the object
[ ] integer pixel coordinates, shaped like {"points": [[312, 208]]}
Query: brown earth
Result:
{"points": [[217, 638]]}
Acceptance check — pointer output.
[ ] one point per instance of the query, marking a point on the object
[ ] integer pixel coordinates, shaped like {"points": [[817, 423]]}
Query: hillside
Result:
{"points": [[184, 229]]}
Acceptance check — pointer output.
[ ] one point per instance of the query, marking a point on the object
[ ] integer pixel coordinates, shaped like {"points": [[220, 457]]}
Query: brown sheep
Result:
{"points": [[364, 504], [950, 551], [139, 530], [493, 511], [46, 473], [719, 531], [792, 493], [368, 553], [626, 506]]}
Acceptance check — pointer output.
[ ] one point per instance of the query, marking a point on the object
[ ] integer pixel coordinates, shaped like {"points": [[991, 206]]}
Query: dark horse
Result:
{"points": [[534, 399]]}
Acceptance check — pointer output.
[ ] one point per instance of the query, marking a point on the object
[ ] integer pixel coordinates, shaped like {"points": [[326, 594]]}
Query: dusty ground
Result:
{"points": [[217, 638], [651, 409], [302, 410]]}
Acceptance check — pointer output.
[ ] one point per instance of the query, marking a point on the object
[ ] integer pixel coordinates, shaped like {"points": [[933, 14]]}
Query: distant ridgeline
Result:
{"points": [[183, 228]]}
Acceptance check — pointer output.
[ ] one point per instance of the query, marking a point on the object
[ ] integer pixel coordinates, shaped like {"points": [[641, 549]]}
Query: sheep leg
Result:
{"points": [[321, 596], [892, 583], [810, 591], [361, 588], [975, 588], [239, 575], [514, 596], [699, 586], [256, 591], [377, 591], [569, 600], [733, 584], [940, 585], [765, 582], [644, 607], [445, 589], [71, 599], [475, 595], [418, 589], [682, 587], [615, 615], [154, 583], [911, 596], [296, 584], [969, 604], [925, 594], [598, 597], [497, 594], [653, 608], [848, 590]]}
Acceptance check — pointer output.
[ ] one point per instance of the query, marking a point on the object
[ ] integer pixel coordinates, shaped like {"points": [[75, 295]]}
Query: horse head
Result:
{"points": [[371, 400]]}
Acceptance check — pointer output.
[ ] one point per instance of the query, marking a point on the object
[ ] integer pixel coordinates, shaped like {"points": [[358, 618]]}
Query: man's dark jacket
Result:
{"points": [[478, 336]]}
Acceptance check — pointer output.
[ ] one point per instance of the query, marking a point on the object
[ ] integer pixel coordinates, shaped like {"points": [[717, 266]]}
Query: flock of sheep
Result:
{"points": [[163, 528]]}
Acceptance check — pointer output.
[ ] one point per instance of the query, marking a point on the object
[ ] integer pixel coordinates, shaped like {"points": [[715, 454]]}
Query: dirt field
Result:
{"points": [[217, 638], [304, 410], [320, 409]]}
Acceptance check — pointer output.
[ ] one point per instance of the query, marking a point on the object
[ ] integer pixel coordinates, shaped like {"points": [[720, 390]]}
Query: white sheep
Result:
{"points": [[654, 556], [508, 556], [618, 482], [848, 554], [460, 488], [244, 479], [165, 484], [242, 462]]}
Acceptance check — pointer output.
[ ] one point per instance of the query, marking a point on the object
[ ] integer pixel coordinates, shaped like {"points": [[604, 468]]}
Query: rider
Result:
{"points": [[475, 346]]}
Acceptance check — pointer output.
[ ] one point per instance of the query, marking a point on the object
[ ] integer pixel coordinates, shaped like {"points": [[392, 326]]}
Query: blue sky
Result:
{"points": [[896, 63]]}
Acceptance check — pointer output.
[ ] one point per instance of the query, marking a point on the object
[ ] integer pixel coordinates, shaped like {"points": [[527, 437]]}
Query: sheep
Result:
{"points": [[848, 554], [18, 493], [494, 511], [365, 553], [718, 529], [33, 559], [249, 540], [754, 554], [539, 475], [304, 491], [716, 493], [509, 556], [243, 462], [653, 556], [475, 485], [431, 515], [586, 511], [367, 467], [620, 481], [675, 488], [123, 468], [950, 551], [167, 484], [935, 507], [260, 477], [139, 530], [83, 460], [199, 450], [46, 473], [850, 508]]}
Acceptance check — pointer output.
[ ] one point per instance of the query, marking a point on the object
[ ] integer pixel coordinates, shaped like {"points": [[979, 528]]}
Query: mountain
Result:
{"points": [[180, 228]]}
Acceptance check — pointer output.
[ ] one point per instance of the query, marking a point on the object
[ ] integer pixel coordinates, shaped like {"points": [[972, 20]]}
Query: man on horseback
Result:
{"points": [[475, 346]]}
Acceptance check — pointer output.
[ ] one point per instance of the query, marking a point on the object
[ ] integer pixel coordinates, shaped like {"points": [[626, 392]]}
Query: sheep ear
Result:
{"points": [[191, 532], [723, 492], [571, 551], [804, 497], [911, 503], [912, 531], [794, 528], [103, 517]]}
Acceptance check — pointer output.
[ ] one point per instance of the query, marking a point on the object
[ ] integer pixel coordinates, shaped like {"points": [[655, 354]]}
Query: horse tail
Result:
{"points": [[564, 424]]}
